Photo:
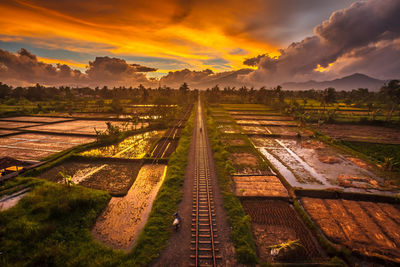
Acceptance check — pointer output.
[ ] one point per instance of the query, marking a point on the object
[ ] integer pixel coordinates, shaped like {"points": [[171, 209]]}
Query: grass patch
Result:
{"points": [[51, 227], [237, 218], [157, 230], [15, 185], [388, 154]]}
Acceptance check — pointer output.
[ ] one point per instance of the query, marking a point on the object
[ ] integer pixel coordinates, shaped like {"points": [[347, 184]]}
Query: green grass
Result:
{"points": [[51, 227], [157, 230], [376, 152], [237, 218]]}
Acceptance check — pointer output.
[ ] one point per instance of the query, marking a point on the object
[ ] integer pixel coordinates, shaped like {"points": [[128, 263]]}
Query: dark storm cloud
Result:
{"points": [[349, 35], [140, 68], [253, 61]]}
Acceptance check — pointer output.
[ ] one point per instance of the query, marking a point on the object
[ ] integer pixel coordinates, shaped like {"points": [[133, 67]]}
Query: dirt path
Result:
{"points": [[177, 252]]}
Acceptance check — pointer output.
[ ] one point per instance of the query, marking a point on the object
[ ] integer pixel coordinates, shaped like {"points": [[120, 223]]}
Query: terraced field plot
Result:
{"points": [[6, 132], [133, 147], [275, 222], [267, 123], [32, 146], [369, 228], [114, 177], [259, 186], [124, 217], [273, 130], [362, 133], [313, 162], [16, 125], [263, 118], [80, 126], [36, 119], [228, 129]]}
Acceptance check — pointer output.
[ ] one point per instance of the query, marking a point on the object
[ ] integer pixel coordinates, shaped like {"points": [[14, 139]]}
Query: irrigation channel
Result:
{"points": [[204, 233]]}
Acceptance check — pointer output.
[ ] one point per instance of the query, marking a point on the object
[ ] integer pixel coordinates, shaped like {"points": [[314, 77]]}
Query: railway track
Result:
{"points": [[204, 243], [161, 148]]}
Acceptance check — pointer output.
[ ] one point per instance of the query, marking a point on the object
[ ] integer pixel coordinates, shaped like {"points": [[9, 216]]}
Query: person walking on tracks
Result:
{"points": [[177, 221]]}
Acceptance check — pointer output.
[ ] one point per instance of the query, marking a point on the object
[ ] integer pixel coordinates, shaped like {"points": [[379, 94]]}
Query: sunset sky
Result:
{"points": [[251, 42]]}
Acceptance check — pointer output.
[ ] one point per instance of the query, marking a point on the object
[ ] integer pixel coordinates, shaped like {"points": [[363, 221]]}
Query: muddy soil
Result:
{"points": [[364, 133], [233, 142], [274, 222], [244, 159], [116, 178], [124, 217], [368, 228], [259, 186]]}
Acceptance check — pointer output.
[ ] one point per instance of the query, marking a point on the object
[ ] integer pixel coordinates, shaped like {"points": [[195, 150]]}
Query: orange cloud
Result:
{"points": [[188, 31]]}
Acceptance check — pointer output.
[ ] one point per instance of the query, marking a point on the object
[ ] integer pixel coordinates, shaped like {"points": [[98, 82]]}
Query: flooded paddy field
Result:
{"points": [[120, 223], [263, 117], [80, 126], [366, 228], [267, 123], [114, 177], [255, 114], [16, 124], [259, 186], [40, 119], [133, 147], [364, 133], [312, 162], [33, 146], [7, 132], [274, 130], [275, 222]]}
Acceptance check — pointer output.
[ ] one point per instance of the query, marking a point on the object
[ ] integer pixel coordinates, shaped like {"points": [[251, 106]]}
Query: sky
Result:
{"points": [[226, 42]]}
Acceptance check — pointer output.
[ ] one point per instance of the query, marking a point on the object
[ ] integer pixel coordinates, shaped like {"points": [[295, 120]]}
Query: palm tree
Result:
{"points": [[391, 93]]}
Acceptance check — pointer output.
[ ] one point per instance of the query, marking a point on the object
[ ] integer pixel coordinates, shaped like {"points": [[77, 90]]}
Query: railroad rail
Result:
{"points": [[171, 135], [204, 251]]}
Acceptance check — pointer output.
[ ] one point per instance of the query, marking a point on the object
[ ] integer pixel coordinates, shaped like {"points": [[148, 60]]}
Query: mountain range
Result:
{"points": [[354, 81]]}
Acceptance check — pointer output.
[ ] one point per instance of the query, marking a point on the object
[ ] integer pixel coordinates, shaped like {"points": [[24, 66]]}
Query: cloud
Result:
{"points": [[140, 68], [187, 31], [205, 78], [24, 68], [350, 35], [253, 61]]}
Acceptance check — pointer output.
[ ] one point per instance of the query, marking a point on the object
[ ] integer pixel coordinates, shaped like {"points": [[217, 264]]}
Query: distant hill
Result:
{"points": [[347, 83]]}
